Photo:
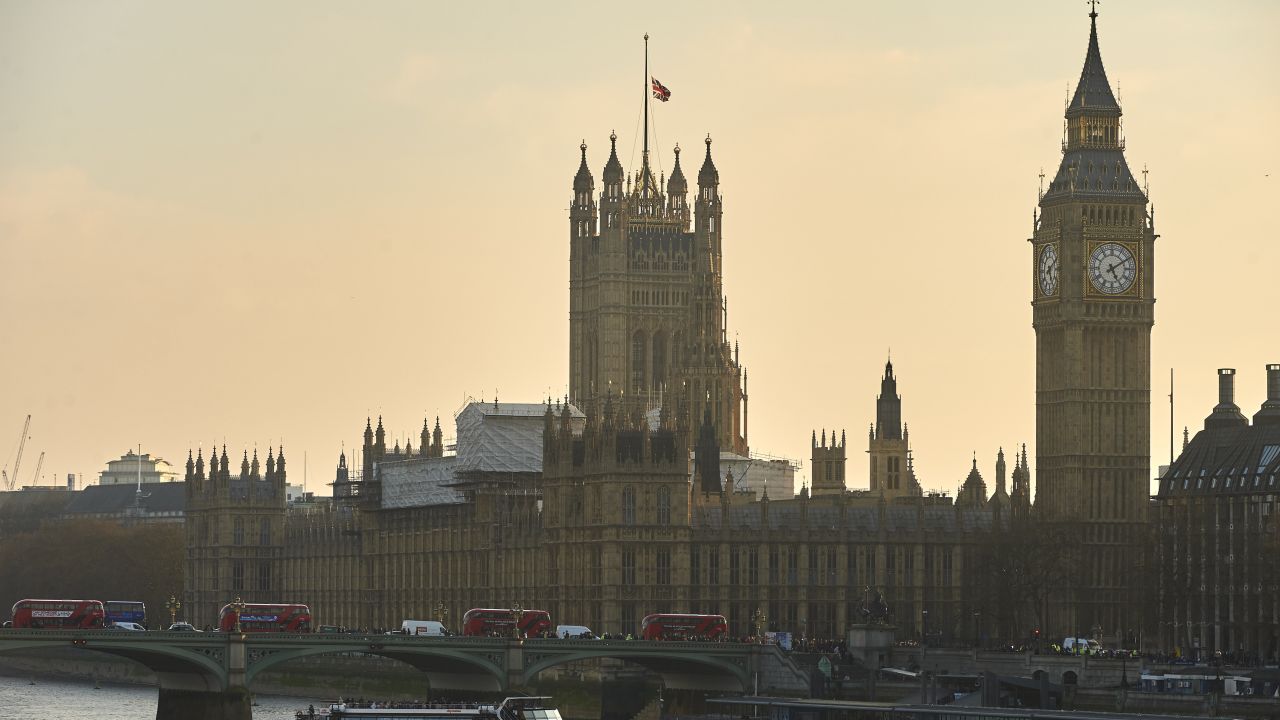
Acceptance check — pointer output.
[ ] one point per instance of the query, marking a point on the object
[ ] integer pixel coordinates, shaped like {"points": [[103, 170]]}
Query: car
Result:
{"points": [[129, 626], [182, 627], [330, 629]]}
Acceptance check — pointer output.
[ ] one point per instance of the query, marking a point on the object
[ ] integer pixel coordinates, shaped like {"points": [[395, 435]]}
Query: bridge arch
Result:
{"points": [[176, 667], [673, 667], [456, 668]]}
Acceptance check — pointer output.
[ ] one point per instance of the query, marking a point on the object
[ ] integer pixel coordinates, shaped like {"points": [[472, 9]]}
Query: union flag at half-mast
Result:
{"points": [[660, 91]]}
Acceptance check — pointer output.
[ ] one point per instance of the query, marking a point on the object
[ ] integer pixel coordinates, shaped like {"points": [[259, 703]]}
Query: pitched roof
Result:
{"points": [[1221, 460], [113, 499], [1093, 92]]}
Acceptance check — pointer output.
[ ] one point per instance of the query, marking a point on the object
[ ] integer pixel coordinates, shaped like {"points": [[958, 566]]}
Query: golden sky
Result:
{"points": [[257, 222]]}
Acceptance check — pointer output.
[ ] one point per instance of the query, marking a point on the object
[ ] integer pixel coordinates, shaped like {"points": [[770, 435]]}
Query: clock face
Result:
{"points": [[1048, 270], [1112, 268]]}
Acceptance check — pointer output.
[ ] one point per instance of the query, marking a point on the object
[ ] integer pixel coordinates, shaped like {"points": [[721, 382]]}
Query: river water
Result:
{"points": [[78, 700]]}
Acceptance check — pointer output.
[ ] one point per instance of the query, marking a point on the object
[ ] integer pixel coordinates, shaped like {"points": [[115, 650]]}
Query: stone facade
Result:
{"points": [[620, 521], [1093, 299], [647, 312], [235, 533]]}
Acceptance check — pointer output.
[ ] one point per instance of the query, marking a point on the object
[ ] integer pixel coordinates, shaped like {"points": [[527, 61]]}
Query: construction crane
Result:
{"points": [[22, 443], [35, 479]]}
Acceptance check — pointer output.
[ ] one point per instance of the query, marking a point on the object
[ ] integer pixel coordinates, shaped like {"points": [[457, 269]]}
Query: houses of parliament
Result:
{"points": [[638, 493]]}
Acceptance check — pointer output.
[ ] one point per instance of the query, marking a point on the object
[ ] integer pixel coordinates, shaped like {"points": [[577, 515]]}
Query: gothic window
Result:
{"points": [[264, 532], [628, 568], [773, 566], [793, 566], [735, 575], [628, 505], [695, 567], [597, 565], [871, 565], [637, 361], [264, 576], [713, 565], [628, 619], [237, 532], [753, 566], [663, 565], [831, 565], [813, 566], [659, 359], [237, 575], [664, 506]]}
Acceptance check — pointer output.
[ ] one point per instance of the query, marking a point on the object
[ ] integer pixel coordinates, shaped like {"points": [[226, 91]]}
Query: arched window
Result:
{"points": [[638, 355], [664, 506], [628, 505], [659, 360], [237, 532], [264, 534]]}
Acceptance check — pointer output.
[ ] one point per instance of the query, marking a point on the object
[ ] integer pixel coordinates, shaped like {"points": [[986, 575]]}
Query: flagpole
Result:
{"points": [[646, 101]]}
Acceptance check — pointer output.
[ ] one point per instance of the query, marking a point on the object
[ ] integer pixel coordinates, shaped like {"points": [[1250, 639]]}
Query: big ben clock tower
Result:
{"points": [[1093, 297]]}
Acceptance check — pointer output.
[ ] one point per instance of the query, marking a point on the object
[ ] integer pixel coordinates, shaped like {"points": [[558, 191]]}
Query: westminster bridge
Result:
{"points": [[208, 675]]}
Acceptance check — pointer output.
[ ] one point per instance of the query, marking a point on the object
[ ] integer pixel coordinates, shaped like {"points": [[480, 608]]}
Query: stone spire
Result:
{"points": [[1093, 92]]}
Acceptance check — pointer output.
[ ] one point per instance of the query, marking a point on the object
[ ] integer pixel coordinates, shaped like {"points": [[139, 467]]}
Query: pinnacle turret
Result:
{"points": [[613, 168], [676, 184], [583, 182], [708, 176]]}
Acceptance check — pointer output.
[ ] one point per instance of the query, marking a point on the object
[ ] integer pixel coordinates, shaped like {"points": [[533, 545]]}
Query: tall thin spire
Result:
{"points": [[645, 86], [1093, 92]]}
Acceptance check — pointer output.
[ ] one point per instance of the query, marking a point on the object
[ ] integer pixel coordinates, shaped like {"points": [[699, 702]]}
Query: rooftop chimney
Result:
{"points": [[1270, 412], [1226, 413]]}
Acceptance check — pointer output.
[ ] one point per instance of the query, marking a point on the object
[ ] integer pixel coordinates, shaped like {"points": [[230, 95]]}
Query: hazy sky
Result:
{"points": [[262, 221]]}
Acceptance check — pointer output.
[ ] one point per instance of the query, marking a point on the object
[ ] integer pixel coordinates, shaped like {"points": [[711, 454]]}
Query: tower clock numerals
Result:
{"points": [[1048, 269], [1112, 268]]}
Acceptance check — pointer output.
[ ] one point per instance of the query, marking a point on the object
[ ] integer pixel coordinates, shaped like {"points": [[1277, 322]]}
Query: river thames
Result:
{"points": [[78, 700]]}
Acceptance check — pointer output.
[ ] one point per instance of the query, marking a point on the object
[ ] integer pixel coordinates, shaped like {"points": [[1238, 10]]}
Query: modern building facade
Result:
{"points": [[1217, 541]]}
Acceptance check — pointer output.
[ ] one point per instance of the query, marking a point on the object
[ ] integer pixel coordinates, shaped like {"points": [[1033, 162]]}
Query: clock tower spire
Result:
{"points": [[1093, 297]]}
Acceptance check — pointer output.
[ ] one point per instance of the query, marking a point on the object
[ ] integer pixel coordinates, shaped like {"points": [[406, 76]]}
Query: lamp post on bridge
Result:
{"points": [[173, 605], [442, 612], [758, 619], [517, 613], [237, 607]]}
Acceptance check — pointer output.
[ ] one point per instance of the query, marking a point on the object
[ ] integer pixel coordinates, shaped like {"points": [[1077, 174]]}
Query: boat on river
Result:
{"points": [[512, 708]]}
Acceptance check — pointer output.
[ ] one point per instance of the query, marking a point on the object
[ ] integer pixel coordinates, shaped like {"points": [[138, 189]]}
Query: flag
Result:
{"points": [[660, 91]]}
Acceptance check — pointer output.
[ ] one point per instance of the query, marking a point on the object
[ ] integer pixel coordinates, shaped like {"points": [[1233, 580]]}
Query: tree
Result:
{"points": [[95, 560]]}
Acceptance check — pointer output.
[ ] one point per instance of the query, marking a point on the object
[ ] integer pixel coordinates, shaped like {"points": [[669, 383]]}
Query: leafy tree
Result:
{"points": [[95, 560]]}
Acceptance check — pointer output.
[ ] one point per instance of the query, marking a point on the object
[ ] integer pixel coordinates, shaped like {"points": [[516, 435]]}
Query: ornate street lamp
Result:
{"points": [[442, 612], [237, 607], [173, 605], [758, 619], [517, 613], [924, 636]]}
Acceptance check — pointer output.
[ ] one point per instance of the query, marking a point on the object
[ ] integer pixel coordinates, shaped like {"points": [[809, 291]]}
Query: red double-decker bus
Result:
{"points": [[670, 626], [59, 614], [483, 622], [267, 617]]}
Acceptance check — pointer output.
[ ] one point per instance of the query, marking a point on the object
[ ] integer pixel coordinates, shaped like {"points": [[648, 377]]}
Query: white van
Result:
{"points": [[1086, 646], [574, 632], [428, 628]]}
